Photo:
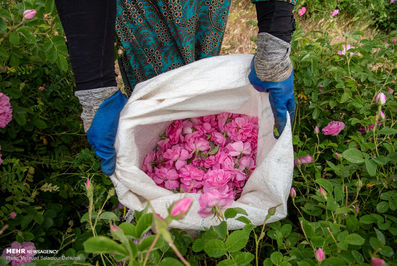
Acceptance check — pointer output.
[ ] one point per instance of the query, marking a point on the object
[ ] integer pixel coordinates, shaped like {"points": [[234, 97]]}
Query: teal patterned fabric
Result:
{"points": [[161, 35]]}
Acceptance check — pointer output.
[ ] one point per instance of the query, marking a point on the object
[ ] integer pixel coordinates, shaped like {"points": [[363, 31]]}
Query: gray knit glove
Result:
{"points": [[272, 62], [90, 100]]}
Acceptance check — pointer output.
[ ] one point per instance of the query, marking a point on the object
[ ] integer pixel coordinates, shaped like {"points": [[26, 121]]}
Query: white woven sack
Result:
{"points": [[208, 86]]}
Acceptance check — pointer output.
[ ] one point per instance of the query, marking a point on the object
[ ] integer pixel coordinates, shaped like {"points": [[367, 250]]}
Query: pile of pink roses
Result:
{"points": [[213, 155]]}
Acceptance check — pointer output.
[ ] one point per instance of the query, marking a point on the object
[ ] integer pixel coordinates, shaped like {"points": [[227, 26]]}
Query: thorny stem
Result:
{"points": [[307, 239], [374, 130], [175, 249], [150, 248]]}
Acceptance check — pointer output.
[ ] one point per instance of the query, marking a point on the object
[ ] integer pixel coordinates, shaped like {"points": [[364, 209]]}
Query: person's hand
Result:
{"points": [[281, 97], [103, 126], [272, 72]]}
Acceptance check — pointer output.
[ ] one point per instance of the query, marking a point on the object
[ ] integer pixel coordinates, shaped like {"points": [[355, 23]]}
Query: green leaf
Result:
{"points": [[232, 212], [244, 220], [353, 155], [325, 184], [170, 262], [128, 228], [357, 256], [3, 25], [352, 223], [237, 240], [276, 257], [198, 245], [367, 219], [19, 114], [382, 207], [26, 221], [52, 54], [108, 216], [144, 224], [387, 131], [334, 261], [14, 38], [227, 262], [221, 230], [27, 34], [345, 97], [354, 239], [375, 243], [63, 64], [380, 160], [28, 236], [243, 258], [214, 150], [392, 156], [40, 124], [145, 244], [387, 251], [332, 205], [308, 227], [371, 166], [380, 236], [49, 6], [215, 248], [86, 217], [102, 244], [267, 262], [286, 229]]}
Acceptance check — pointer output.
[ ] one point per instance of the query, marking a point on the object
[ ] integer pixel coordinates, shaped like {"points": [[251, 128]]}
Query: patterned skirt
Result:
{"points": [[161, 35]]}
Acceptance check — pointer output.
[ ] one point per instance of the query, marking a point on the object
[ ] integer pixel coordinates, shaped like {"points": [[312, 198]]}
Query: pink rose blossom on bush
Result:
{"points": [[320, 256], [29, 13], [13, 215], [5, 110], [209, 200], [345, 49], [335, 12], [377, 262], [20, 258], [302, 11], [381, 98], [303, 160], [181, 207], [333, 128], [293, 193], [41, 88], [390, 90], [381, 115]]}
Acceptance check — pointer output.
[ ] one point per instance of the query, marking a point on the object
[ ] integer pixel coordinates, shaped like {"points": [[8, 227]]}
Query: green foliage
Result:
{"points": [[381, 14], [43, 147]]}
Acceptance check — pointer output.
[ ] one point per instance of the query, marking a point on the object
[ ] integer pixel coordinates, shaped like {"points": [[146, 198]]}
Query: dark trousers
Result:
{"points": [[89, 30], [276, 18]]}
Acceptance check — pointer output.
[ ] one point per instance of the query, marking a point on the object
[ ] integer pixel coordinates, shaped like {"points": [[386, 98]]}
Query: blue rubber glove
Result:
{"points": [[281, 97], [102, 132]]}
